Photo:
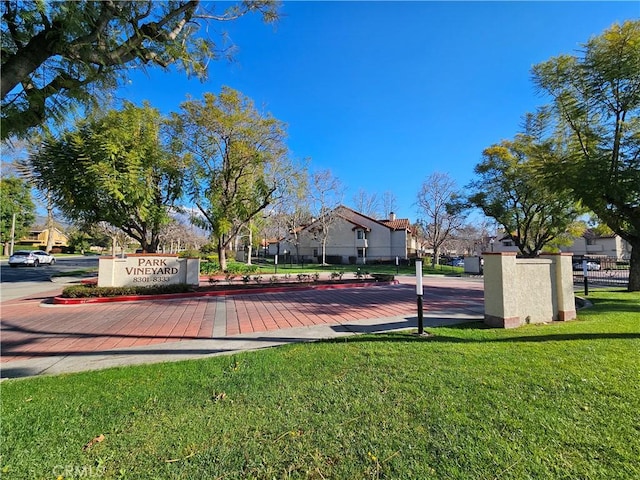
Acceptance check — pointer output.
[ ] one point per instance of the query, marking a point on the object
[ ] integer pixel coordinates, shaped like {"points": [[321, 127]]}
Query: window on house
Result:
{"points": [[507, 243], [361, 253], [591, 241], [315, 252], [360, 234]]}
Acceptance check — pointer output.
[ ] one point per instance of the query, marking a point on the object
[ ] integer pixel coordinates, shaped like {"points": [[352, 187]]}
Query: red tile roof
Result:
{"points": [[397, 224]]}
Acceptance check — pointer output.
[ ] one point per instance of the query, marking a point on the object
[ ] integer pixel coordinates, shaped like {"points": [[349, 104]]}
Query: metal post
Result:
{"points": [[585, 275], [419, 292], [397, 265], [275, 259]]}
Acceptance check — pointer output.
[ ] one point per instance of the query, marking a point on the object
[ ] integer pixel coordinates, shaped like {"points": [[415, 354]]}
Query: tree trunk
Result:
{"points": [[634, 267], [249, 252], [324, 250], [50, 226], [222, 256]]}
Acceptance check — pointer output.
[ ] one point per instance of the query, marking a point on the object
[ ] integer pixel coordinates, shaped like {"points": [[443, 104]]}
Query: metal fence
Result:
{"points": [[601, 271]]}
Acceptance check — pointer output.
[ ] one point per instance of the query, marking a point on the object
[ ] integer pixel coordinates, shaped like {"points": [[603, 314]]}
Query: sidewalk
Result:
{"points": [[39, 339]]}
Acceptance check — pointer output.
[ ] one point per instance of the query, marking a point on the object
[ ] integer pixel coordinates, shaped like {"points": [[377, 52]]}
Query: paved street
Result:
{"points": [[38, 337], [22, 281]]}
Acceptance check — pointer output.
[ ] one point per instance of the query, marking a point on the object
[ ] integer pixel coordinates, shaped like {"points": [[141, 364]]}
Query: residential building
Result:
{"points": [[38, 238], [588, 244], [353, 238], [592, 244]]}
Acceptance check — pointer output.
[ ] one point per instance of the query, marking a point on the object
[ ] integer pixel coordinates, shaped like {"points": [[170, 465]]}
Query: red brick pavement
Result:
{"points": [[31, 329]]}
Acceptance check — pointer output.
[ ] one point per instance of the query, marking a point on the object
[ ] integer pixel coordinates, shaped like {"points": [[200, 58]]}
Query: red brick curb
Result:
{"points": [[218, 293]]}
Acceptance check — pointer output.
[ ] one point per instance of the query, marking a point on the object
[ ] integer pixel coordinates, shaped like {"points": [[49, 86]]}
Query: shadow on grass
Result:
{"points": [[623, 305], [435, 337]]}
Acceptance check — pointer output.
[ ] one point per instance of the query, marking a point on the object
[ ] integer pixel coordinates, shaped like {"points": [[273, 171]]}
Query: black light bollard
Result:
{"points": [[275, 263], [419, 292], [397, 265], [585, 275]]}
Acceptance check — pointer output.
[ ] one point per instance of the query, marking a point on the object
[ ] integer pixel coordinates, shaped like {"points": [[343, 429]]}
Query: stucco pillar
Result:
{"points": [[500, 299], [566, 302]]}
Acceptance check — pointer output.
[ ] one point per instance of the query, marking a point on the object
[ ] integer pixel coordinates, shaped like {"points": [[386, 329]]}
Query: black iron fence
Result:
{"points": [[600, 271]]}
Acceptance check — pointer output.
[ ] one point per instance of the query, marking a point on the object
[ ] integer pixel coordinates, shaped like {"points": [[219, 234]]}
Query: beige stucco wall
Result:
{"points": [[521, 291], [146, 270]]}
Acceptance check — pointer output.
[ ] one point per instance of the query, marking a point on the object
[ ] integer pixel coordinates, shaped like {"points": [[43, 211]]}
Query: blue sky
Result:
{"points": [[385, 93]]}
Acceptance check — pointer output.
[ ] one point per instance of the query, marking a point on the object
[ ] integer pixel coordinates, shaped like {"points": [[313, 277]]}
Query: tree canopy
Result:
{"points": [[508, 190], [56, 55], [325, 195], [112, 168], [237, 161], [596, 102], [440, 215]]}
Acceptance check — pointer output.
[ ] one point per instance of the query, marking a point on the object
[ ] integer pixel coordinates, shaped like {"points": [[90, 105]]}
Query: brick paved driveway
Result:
{"points": [[31, 329]]}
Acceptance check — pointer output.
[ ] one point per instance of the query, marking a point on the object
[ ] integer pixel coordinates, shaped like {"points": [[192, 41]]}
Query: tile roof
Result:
{"points": [[397, 224]]}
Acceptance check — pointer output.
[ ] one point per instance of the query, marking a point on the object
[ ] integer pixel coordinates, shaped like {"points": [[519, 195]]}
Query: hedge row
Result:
{"points": [[86, 291]]}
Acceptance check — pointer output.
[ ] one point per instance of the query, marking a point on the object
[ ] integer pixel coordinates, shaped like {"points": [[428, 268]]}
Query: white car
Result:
{"points": [[31, 258], [592, 266]]}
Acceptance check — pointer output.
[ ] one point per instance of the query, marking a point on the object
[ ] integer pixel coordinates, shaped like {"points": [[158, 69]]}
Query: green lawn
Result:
{"points": [[269, 268], [543, 401]]}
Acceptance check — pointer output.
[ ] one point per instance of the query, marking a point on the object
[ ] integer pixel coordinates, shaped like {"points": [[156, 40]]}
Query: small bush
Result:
{"points": [[209, 248], [241, 268], [359, 274], [336, 275], [304, 277], [334, 259], [208, 267], [190, 253]]}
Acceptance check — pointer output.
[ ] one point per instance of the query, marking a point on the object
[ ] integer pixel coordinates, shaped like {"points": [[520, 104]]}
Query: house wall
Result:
{"points": [[398, 244], [521, 291], [614, 247], [380, 242], [37, 238]]}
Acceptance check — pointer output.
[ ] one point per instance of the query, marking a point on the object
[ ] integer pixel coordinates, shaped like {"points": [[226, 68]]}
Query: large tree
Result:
{"points": [[17, 210], [508, 190], [325, 194], [596, 98], [56, 55], [290, 212], [238, 161], [115, 169], [440, 216]]}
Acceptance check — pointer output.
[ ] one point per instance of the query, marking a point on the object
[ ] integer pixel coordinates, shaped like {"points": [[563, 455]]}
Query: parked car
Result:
{"points": [[457, 262], [31, 258], [593, 266]]}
